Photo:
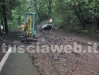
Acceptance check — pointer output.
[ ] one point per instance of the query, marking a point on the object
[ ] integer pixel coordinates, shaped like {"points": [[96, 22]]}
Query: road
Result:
{"points": [[19, 64]]}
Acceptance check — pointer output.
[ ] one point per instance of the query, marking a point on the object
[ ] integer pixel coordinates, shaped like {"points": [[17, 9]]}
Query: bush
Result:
{"points": [[12, 25]]}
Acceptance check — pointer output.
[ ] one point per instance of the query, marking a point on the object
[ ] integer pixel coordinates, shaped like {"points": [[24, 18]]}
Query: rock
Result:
{"points": [[78, 54], [43, 39], [94, 72], [62, 60], [37, 64], [55, 56]]}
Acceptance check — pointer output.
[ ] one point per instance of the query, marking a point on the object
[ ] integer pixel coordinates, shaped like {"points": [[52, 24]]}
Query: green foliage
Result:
{"points": [[65, 13], [14, 12], [85, 31], [58, 20], [13, 25]]}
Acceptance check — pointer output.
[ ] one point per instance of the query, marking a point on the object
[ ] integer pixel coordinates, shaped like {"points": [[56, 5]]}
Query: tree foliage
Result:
{"points": [[66, 13], [10, 11]]}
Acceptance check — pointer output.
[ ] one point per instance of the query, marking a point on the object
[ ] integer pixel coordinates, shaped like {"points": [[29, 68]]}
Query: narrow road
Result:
{"points": [[19, 64]]}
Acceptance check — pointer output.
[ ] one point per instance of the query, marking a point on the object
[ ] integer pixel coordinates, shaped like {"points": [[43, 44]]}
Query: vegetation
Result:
{"points": [[82, 15]]}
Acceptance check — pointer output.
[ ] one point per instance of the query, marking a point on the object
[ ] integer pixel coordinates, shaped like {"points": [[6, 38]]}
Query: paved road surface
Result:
{"points": [[19, 64]]}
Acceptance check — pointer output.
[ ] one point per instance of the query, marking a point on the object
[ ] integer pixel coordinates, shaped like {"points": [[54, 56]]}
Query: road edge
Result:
{"points": [[5, 58]]}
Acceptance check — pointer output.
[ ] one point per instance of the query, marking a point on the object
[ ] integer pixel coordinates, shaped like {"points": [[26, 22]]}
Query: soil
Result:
{"points": [[66, 63], [1, 55], [8, 39], [61, 63]]}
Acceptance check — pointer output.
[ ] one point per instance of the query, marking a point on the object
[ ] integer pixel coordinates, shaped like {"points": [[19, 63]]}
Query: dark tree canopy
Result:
{"points": [[77, 14]]}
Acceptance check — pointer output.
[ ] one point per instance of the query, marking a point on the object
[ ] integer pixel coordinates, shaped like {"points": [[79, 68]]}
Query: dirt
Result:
{"points": [[9, 39], [1, 55], [61, 63], [65, 63]]}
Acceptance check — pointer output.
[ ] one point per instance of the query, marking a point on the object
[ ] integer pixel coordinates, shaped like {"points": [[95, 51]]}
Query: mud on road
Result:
{"points": [[65, 63], [60, 63], [9, 39]]}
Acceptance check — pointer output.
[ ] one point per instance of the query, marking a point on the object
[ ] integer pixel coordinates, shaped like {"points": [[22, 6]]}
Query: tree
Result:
{"points": [[6, 14], [49, 2], [5, 18]]}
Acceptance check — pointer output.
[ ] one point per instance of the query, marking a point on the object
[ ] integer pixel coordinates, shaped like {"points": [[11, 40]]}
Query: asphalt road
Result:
{"points": [[19, 64]]}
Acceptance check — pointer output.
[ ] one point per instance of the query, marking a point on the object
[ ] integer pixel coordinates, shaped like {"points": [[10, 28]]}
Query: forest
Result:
{"points": [[62, 40], [76, 15]]}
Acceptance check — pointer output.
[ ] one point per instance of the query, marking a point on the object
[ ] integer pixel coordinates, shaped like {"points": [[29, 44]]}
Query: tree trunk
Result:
{"points": [[4, 18], [35, 6], [1, 23], [82, 18], [77, 14], [49, 8], [49, 12], [0, 30], [19, 20], [98, 23]]}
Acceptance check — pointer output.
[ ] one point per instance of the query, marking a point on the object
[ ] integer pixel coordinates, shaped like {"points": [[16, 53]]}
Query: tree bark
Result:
{"points": [[2, 20], [49, 8], [82, 18], [77, 14], [0, 30], [35, 6], [98, 23], [5, 18], [1, 23]]}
